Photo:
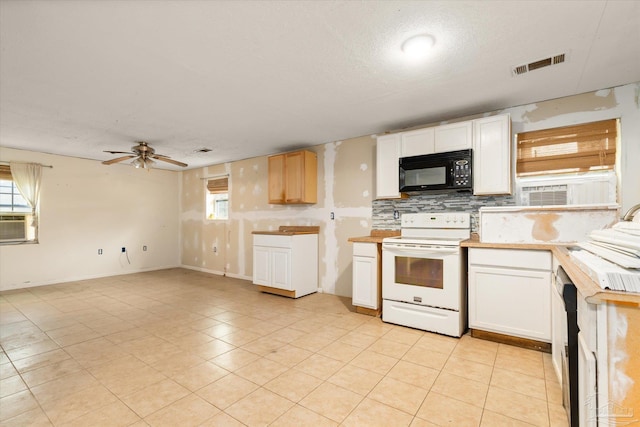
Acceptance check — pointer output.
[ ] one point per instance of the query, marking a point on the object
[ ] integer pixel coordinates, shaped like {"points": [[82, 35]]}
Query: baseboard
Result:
{"points": [[511, 340]]}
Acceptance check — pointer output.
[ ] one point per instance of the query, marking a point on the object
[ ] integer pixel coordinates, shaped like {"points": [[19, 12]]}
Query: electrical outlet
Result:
{"points": [[333, 215], [124, 249], [144, 248], [215, 249], [99, 251], [396, 215]]}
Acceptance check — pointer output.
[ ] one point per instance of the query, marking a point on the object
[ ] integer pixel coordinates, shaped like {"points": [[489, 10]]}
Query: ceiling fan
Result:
{"points": [[144, 156]]}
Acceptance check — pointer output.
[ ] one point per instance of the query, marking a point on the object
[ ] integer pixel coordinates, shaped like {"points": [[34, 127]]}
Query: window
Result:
{"points": [[17, 222], [568, 165], [217, 199]]}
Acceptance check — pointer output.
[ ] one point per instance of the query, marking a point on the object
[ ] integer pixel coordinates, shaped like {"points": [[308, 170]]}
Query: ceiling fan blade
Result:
{"points": [[117, 159], [118, 152], [168, 160]]}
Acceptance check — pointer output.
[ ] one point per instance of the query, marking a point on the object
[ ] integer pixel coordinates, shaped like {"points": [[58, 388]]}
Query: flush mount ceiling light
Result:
{"points": [[417, 47]]}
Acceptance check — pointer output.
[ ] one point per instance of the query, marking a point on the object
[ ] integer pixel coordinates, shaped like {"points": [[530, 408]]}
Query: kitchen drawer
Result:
{"points": [[271, 240], [365, 249], [511, 258]]}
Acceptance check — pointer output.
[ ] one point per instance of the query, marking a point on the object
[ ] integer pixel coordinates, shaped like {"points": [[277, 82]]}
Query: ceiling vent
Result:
{"points": [[552, 60], [203, 150]]}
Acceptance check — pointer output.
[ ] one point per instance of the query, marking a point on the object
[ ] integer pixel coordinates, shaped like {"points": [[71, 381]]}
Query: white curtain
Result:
{"points": [[27, 177]]}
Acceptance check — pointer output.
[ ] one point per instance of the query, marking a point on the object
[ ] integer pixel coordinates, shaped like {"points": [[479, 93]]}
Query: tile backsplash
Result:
{"points": [[383, 210]]}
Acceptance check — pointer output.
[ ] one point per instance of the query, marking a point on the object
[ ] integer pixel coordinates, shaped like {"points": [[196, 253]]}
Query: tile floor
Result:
{"points": [[178, 347]]}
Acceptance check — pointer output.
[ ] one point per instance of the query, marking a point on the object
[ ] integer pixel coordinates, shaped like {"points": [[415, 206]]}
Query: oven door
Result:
{"points": [[422, 275]]}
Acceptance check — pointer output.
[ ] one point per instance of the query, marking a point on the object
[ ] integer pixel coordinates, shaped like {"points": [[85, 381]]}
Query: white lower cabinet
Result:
{"points": [[286, 262], [510, 292], [365, 275]]}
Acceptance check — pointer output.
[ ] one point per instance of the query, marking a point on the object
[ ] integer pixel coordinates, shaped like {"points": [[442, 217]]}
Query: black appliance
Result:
{"points": [[436, 172], [570, 352]]}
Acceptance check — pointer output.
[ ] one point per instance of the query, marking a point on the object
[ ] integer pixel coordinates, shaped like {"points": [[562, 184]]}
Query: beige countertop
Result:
{"points": [[376, 236], [587, 287], [291, 230]]}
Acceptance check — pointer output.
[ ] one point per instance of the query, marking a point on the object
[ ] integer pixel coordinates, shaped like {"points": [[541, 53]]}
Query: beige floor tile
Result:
{"points": [[411, 373], [264, 345], [240, 337], [445, 411], [437, 343], [50, 372], [311, 342], [220, 330], [389, 348], [419, 422], [340, 351], [74, 405], [7, 370], [261, 371], [198, 376], [211, 349], [16, 404], [374, 327], [259, 408], [375, 362], [358, 339], [293, 385], [554, 393], [456, 387], [177, 362], [222, 420], [493, 419], [191, 410], [227, 390], [32, 349], [404, 335], [468, 369], [356, 379], [528, 366], [518, 406], [116, 414], [289, 355], [332, 401], [286, 335], [299, 416], [523, 384], [372, 413], [520, 353], [319, 366], [424, 357], [478, 354], [40, 360], [155, 397], [11, 385], [235, 359], [32, 418], [400, 395], [63, 386]]}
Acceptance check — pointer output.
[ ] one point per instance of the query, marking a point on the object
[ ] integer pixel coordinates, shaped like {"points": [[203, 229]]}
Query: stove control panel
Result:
{"points": [[436, 220]]}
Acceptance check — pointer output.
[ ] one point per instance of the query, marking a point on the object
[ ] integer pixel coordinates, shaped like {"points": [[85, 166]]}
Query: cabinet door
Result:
{"points": [[387, 167], [276, 179], [365, 282], [281, 268], [456, 136], [417, 142], [294, 177], [261, 266], [587, 384], [558, 331], [492, 155], [510, 301]]}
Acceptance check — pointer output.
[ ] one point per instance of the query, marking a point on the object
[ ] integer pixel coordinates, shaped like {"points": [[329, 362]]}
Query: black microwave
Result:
{"points": [[436, 172]]}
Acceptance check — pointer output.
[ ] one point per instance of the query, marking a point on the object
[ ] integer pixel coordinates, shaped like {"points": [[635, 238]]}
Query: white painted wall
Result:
{"points": [[86, 206]]}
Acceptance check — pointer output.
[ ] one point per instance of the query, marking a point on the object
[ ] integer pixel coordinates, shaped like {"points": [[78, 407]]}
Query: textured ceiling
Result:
{"points": [[253, 78]]}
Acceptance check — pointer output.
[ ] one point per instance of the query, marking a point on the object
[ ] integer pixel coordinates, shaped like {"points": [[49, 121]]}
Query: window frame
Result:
{"points": [[216, 190], [32, 229]]}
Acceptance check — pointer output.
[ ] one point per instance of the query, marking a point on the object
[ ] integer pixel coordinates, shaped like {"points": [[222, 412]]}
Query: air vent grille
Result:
{"points": [[552, 60], [203, 150]]}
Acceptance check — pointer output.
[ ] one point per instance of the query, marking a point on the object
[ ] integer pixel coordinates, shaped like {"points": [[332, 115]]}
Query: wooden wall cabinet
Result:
{"points": [[293, 178]]}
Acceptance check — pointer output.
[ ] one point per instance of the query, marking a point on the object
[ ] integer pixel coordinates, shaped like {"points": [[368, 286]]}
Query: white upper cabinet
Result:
{"points": [[453, 137], [492, 155], [387, 178], [417, 142]]}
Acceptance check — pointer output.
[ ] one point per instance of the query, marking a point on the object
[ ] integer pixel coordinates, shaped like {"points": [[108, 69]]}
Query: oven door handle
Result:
{"points": [[421, 252]]}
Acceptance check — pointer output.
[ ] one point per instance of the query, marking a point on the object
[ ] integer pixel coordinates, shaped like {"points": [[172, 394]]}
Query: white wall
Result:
{"points": [[86, 206]]}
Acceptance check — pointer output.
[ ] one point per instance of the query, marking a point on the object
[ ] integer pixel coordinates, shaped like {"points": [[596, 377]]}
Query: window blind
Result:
{"points": [[5, 173], [584, 147], [218, 185]]}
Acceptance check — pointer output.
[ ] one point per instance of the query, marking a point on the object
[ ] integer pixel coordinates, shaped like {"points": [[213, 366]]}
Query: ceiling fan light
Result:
{"points": [[138, 163], [148, 163], [418, 46]]}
